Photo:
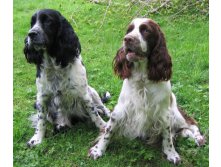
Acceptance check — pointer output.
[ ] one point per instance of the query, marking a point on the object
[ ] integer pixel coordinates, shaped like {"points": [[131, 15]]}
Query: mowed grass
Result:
{"points": [[187, 40]]}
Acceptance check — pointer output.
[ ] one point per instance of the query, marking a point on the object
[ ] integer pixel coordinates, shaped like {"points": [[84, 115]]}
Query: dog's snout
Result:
{"points": [[32, 34], [128, 39]]}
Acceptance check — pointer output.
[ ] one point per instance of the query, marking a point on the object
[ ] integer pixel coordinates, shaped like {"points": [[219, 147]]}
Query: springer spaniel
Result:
{"points": [[63, 93], [146, 106]]}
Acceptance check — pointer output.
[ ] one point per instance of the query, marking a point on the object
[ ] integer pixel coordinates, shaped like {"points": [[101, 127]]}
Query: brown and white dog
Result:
{"points": [[146, 106]]}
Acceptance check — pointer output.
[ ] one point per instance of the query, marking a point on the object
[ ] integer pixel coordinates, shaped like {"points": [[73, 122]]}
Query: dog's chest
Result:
{"points": [[141, 101], [65, 86], [69, 80], [57, 81]]}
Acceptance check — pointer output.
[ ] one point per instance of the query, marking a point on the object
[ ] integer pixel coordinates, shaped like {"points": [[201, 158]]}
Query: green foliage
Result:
{"points": [[187, 40], [172, 8], [194, 7]]}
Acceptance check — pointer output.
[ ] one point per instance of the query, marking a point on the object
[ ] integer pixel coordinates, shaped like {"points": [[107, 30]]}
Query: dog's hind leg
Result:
{"points": [[185, 125], [98, 103], [93, 111]]}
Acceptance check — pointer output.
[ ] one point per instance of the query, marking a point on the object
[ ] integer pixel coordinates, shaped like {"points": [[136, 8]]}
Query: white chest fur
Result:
{"points": [[63, 86], [141, 107]]}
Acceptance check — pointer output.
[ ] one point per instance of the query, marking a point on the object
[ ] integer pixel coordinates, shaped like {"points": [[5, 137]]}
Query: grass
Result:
{"points": [[187, 40]]}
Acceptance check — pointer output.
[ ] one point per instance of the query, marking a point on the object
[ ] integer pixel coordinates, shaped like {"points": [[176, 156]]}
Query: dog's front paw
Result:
{"points": [[35, 140], [95, 152], [173, 157]]}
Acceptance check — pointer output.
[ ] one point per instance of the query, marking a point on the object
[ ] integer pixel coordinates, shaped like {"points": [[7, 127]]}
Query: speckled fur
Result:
{"points": [[146, 106], [66, 93], [63, 92]]}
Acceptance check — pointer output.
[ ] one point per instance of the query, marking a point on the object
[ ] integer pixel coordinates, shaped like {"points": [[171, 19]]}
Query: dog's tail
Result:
{"points": [[105, 97]]}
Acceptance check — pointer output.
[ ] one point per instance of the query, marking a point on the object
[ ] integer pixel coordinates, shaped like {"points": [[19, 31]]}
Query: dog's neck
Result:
{"points": [[139, 71]]}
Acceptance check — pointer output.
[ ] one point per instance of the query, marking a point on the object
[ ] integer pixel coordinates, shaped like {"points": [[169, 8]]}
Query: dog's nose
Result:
{"points": [[32, 34], [128, 39]]}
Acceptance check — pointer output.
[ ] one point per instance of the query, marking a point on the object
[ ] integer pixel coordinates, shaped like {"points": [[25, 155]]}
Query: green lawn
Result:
{"points": [[187, 40]]}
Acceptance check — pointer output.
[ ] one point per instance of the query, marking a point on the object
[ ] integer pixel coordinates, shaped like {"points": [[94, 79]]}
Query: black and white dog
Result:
{"points": [[63, 93]]}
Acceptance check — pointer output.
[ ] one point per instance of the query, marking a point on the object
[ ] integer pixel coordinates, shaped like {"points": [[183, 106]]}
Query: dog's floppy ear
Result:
{"points": [[122, 67], [67, 46], [31, 55], [159, 60]]}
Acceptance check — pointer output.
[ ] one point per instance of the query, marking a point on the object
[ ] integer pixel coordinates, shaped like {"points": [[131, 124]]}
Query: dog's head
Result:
{"points": [[144, 42], [51, 33]]}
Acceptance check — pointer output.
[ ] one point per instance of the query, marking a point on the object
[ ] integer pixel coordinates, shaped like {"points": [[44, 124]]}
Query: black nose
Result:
{"points": [[128, 39], [32, 34]]}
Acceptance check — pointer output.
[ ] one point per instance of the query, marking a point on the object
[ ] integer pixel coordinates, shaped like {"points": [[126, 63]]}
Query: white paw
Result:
{"points": [[95, 152], [200, 140], [35, 140], [173, 156]]}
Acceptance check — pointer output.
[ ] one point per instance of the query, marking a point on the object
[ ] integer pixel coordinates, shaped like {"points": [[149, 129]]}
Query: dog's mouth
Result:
{"points": [[37, 45], [36, 42], [133, 55]]}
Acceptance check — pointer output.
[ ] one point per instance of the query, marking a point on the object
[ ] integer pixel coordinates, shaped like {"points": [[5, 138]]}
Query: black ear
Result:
{"points": [[31, 54], [67, 46]]}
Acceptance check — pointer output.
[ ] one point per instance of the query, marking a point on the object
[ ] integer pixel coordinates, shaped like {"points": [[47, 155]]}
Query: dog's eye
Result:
{"points": [[130, 28], [46, 20], [144, 30], [49, 22]]}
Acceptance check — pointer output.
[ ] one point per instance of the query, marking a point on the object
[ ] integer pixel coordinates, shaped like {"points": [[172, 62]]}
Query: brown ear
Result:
{"points": [[159, 64], [122, 67]]}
